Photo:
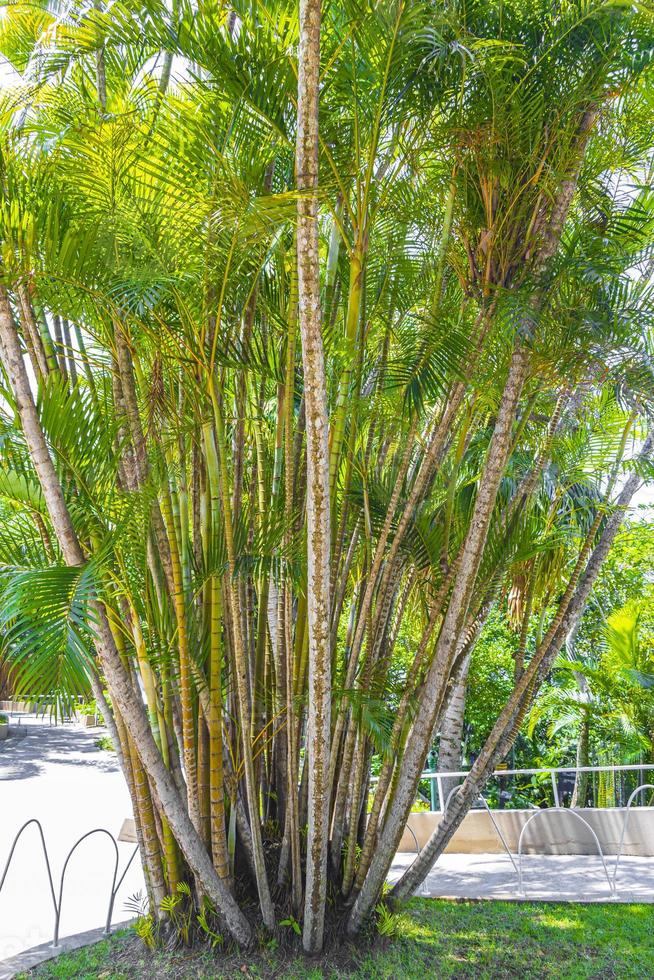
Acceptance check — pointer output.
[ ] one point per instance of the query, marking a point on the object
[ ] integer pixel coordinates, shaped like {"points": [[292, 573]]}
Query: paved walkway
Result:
{"points": [[58, 775], [550, 878]]}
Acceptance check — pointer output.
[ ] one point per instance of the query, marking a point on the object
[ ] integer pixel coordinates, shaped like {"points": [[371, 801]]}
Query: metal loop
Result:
{"points": [[45, 855], [98, 830], [455, 789], [639, 789], [57, 903], [415, 840], [561, 809]]}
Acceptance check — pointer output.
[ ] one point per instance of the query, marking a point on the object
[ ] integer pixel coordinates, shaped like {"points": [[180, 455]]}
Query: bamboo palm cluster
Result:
{"points": [[309, 365]]}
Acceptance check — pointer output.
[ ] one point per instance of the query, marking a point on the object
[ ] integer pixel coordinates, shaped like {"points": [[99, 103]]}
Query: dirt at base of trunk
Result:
{"points": [[130, 959]]}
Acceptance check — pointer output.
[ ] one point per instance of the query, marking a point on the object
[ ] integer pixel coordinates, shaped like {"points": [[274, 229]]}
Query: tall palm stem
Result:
{"points": [[241, 672], [318, 485]]}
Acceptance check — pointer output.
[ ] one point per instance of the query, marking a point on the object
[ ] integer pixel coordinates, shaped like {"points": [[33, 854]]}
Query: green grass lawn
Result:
{"points": [[435, 939]]}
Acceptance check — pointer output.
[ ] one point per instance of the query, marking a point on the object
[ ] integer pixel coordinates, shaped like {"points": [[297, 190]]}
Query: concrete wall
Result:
{"points": [[550, 833], [17, 707]]}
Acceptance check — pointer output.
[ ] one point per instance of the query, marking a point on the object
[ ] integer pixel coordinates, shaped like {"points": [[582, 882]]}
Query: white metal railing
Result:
{"points": [[438, 777]]}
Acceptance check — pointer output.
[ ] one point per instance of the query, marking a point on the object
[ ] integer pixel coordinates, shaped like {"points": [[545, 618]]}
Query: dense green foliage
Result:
{"points": [[626, 582]]}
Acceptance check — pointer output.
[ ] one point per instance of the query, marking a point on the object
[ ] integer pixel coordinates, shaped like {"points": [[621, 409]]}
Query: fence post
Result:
{"points": [[434, 792], [555, 788]]}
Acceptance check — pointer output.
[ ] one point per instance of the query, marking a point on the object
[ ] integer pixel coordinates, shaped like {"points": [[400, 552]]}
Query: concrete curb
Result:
{"points": [[31, 958]]}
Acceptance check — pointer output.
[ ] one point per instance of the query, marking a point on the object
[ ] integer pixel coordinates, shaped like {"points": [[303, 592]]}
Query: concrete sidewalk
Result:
{"points": [[549, 877], [57, 774]]}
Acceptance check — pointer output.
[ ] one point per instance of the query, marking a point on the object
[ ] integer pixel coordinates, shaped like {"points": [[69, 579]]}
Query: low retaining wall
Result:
{"points": [[18, 707], [551, 833]]}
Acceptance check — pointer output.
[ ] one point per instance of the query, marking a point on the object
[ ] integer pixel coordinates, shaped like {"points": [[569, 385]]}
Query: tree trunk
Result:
{"points": [[581, 779], [434, 686], [451, 740], [318, 523], [580, 790]]}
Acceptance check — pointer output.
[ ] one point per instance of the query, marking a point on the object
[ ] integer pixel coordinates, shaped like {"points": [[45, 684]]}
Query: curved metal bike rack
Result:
{"points": [[415, 840], [454, 790], [562, 809], [639, 789], [499, 833], [45, 855], [57, 903]]}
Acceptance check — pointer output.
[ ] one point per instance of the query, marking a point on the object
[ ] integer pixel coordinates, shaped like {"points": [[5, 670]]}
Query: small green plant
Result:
{"points": [[178, 909], [389, 923], [179, 913], [4, 719], [292, 923], [214, 938], [104, 742], [145, 926], [87, 708], [144, 929]]}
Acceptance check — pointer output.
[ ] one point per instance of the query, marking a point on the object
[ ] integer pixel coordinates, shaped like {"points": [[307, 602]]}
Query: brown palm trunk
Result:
{"points": [[581, 779], [318, 523], [241, 673], [451, 737]]}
